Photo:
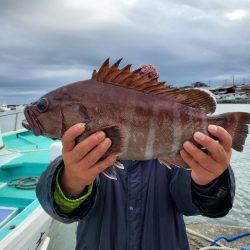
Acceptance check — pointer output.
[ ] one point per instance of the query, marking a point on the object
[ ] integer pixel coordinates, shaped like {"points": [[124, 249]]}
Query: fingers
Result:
{"points": [[83, 162], [223, 136], [200, 175], [218, 151], [207, 167], [84, 147], [94, 156], [70, 135], [189, 160], [215, 149], [198, 157], [103, 165]]}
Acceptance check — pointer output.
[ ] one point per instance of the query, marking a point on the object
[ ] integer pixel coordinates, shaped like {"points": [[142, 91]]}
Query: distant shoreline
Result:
{"points": [[240, 101]]}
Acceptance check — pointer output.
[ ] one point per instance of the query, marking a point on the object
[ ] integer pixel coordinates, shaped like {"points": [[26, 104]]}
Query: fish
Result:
{"points": [[145, 118]]}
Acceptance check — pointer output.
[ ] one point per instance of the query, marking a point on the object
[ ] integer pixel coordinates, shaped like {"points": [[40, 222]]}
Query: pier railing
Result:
{"points": [[11, 120]]}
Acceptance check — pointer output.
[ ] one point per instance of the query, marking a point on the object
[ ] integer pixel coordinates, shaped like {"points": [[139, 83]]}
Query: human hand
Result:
{"points": [[81, 161], [207, 167]]}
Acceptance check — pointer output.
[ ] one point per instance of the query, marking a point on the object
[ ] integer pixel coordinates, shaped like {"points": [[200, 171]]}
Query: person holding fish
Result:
{"points": [[164, 157]]}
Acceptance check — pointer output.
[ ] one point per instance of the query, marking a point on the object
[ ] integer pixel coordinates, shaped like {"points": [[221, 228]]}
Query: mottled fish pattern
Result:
{"points": [[144, 118]]}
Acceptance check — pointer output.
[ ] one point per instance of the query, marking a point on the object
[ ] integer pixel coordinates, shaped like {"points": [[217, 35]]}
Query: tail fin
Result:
{"points": [[236, 125]]}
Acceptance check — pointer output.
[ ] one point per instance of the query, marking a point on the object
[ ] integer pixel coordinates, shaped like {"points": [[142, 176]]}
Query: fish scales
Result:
{"points": [[143, 107], [144, 118]]}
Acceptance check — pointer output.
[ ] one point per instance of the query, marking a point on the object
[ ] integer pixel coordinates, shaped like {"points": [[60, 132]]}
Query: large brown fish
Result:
{"points": [[144, 118]]}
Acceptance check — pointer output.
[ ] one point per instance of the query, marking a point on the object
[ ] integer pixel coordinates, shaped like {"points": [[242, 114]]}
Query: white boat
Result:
{"points": [[4, 108], [23, 222]]}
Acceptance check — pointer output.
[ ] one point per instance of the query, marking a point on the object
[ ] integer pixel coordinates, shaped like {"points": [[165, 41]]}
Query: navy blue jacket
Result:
{"points": [[142, 210]]}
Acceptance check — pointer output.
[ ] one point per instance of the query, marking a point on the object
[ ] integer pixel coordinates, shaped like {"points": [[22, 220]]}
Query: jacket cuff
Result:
{"points": [[68, 203], [80, 211], [216, 198]]}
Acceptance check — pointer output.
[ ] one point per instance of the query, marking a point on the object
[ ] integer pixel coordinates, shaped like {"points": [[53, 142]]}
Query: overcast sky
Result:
{"points": [[46, 44]]}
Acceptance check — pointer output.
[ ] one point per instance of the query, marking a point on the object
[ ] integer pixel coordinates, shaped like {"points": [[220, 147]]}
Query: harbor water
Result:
{"points": [[63, 235]]}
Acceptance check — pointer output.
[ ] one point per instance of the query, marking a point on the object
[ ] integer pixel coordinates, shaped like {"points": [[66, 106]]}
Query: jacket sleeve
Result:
{"points": [[215, 199], [45, 193], [212, 200], [66, 203]]}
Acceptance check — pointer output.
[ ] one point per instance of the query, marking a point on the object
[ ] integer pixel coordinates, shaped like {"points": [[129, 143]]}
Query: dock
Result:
{"points": [[201, 234]]}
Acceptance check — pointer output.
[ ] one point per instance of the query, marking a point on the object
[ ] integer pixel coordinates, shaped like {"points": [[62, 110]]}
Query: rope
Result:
{"points": [[214, 242], [14, 151], [27, 151], [192, 232], [22, 183], [228, 239], [217, 248]]}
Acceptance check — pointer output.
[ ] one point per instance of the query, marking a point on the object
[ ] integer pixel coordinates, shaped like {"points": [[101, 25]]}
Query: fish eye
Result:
{"points": [[150, 75], [42, 104]]}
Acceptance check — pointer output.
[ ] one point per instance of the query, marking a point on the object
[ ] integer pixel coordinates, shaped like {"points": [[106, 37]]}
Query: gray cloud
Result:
{"points": [[45, 44]]}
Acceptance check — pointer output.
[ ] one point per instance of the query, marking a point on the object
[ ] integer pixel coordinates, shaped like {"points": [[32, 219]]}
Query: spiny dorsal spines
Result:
{"points": [[136, 71], [113, 72], [94, 73], [154, 88], [124, 73], [117, 63], [111, 76], [143, 79], [134, 80], [103, 71], [125, 77]]}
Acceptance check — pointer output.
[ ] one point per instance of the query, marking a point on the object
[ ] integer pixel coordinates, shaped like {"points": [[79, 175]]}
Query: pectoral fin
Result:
{"points": [[165, 163], [113, 132], [176, 161], [110, 173], [119, 165]]}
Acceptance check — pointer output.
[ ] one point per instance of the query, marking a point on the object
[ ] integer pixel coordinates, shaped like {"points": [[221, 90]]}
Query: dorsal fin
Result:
{"points": [[196, 98]]}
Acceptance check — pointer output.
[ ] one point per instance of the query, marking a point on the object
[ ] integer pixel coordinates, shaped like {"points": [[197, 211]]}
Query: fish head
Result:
{"points": [[54, 113]]}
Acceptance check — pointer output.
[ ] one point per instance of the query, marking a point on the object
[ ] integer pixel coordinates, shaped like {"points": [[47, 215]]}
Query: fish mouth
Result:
{"points": [[25, 124], [31, 122]]}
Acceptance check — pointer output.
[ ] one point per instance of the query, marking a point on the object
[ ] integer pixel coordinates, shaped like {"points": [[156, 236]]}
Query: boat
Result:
{"points": [[23, 158], [4, 108]]}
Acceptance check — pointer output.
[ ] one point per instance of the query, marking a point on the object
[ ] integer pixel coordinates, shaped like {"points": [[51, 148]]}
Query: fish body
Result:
{"points": [[145, 119]]}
